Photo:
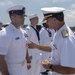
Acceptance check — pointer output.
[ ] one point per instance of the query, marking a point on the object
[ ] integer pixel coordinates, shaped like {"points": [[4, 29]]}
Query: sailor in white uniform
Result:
{"points": [[33, 35], [46, 37], [13, 44]]}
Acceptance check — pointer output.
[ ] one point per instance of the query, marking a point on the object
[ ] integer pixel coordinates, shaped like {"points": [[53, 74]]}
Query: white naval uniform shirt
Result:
{"points": [[64, 49], [45, 40], [13, 45], [35, 53]]}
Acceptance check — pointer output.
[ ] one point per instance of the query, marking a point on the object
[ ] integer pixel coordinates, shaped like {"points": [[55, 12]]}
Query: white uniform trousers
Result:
{"points": [[31, 70], [35, 68], [17, 69]]}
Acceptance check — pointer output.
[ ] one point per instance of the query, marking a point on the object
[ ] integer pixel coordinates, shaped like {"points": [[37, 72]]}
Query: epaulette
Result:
{"points": [[64, 33]]}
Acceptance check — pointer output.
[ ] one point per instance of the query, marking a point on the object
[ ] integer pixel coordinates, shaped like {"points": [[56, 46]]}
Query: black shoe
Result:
{"points": [[44, 73]]}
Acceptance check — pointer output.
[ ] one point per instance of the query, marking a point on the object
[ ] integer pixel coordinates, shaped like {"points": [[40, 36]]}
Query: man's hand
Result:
{"points": [[3, 65], [45, 48], [32, 45], [28, 66], [45, 64]]}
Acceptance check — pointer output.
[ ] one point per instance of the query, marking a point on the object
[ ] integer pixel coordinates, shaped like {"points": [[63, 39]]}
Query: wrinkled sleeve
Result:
{"points": [[4, 44], [28, 31], [68, 52]]}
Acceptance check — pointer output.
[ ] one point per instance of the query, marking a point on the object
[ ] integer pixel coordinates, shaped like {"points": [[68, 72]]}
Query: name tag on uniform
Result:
{"points": [[17, 38]]}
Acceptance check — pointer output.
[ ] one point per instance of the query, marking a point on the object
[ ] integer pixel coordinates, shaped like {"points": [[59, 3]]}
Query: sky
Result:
{"points": [[34, 7]]}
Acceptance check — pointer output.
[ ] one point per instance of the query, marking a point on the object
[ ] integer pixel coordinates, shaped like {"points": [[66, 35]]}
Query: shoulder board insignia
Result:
{"points": [[64, 33]]}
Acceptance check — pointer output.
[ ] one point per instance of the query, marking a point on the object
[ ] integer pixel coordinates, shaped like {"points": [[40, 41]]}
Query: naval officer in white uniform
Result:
{"points": [[13, 44], [63, 46], [63, 42], [33, 35]]}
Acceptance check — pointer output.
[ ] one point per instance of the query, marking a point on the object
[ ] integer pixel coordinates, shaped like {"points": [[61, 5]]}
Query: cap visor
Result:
{"points": [[46, 17]]}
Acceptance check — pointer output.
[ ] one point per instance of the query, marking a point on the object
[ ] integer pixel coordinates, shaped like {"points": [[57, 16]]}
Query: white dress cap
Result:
{"points": [[32, 16], [17, 7], [52, 10]]}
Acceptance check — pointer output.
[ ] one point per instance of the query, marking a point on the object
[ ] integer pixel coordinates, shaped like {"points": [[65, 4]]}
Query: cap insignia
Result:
{"points": [[45, 17]]}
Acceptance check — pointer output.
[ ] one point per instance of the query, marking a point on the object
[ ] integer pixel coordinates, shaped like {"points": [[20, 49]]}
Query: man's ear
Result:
{"points": [[54, 19]]}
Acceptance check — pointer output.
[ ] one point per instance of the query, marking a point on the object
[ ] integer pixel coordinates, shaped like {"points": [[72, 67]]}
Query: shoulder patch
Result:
{"points": [[64, 33]]}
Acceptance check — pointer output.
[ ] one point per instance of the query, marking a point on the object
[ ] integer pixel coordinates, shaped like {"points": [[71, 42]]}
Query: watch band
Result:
{"points": [[51, 67]]}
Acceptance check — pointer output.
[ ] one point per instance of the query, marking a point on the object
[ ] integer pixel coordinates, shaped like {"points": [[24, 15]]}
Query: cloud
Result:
{"points": [[5, 3], [70, 17], [54, 1], [73, 6]]}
